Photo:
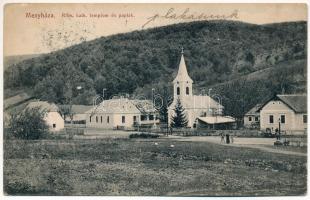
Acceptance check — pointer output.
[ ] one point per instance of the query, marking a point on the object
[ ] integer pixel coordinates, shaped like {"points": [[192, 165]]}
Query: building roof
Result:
{"points": [[123, 106], [17, 99], [79, 109], [43, 105], [198, 102], [298, 103], [182, 73], [217, 119], [254, 110]]}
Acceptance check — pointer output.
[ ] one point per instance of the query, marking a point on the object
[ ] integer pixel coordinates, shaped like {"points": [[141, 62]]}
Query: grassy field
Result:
{"points": [[139, 167]]}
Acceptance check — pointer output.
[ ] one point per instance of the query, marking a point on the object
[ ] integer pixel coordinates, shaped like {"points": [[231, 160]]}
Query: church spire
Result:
{"points": [[182, 73]]}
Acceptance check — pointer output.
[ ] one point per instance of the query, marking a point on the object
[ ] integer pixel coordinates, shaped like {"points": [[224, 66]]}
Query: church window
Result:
{"points": [[101, 119], [90, 119], [108, 119], [178, 91], [187, 90], [96, 119]]}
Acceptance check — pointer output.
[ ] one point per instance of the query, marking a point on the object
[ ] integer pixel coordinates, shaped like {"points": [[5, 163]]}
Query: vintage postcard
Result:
{"points": [[145, 99]]}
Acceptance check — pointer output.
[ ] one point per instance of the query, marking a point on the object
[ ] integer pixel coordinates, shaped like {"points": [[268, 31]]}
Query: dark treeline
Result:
{"points": [[216, 52]]}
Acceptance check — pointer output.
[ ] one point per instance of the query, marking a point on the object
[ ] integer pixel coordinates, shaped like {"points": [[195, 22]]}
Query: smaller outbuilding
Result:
{"points": [[52, 117], [252, 119]]}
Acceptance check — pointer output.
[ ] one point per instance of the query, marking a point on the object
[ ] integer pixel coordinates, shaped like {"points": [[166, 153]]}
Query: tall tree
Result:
{"points": [[163, 109], [179, 118]]}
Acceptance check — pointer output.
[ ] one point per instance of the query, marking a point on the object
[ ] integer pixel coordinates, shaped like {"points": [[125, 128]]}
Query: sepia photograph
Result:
{"points": [[155, 99]]}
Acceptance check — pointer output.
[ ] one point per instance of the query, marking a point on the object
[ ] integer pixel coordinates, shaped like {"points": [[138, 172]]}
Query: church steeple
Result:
{"points": [[182, 82], [182, 73]]}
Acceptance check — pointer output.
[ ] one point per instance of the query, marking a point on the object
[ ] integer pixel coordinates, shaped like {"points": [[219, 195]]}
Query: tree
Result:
{"points": [[179, 119], [65, 110], [29, 124], [163, 109]]}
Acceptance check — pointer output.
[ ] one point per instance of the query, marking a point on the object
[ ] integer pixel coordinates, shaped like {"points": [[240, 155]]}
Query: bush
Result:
{"points": [[29, 124], [19, 188], [143, 135]]}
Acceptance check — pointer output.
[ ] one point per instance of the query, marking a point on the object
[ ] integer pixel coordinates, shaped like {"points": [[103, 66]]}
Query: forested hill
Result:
{"points": [[216, 53]]}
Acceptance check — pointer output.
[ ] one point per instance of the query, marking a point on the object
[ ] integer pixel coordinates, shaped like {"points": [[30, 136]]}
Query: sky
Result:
{"points": [[42, 28]]}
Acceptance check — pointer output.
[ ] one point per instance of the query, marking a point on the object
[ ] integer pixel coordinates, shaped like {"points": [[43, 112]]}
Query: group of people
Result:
{"points": [[227, 138]]}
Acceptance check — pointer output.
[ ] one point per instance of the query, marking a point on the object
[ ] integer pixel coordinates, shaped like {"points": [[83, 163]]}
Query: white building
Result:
{"points": [[200, 110], [289, 112], [251, 119], [122, 113], [52, 117]]}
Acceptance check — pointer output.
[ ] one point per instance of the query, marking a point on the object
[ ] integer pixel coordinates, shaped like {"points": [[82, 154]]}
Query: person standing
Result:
{"points": [[222, 138], [227, 139]]}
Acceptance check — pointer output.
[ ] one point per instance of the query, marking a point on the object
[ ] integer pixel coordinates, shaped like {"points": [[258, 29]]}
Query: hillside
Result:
{"points": [[12, 60], [219, 54]]}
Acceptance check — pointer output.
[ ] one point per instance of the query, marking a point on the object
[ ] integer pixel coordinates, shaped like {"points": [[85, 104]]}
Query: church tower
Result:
{"points": [[182, 84]]}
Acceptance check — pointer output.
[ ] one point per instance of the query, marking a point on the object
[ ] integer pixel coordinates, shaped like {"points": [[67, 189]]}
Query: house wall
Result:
{"points": [[293, 121], [247, 123], [114, 120], [54, 118]]}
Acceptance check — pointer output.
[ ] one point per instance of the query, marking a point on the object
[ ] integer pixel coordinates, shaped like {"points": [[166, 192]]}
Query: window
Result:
{"points": [[101, 119], [304, 118], [108, 119], [90, 119], [178, 91], [151, 117], [123, 119], [256, 119], [187, 90], [134, 118], [250, 119], [96, 119], [282, 119], [271, 119], [54, 125], [143, 117]]}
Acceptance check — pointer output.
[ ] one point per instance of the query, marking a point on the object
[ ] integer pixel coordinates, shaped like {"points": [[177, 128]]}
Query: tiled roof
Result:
{"points": [[123, 105], [296, 102], [254, 110], [43, 105], [79, 109]]}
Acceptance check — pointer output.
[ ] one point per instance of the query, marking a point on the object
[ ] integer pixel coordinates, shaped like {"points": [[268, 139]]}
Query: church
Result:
{"points": [[200, 110]]}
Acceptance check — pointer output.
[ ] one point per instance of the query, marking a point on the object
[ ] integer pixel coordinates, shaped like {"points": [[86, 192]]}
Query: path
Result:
{"points": [[258, 143]]}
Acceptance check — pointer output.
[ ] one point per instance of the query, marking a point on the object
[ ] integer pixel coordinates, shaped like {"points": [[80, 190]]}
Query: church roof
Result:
{"points": [[182, 73], [198, 102]]}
